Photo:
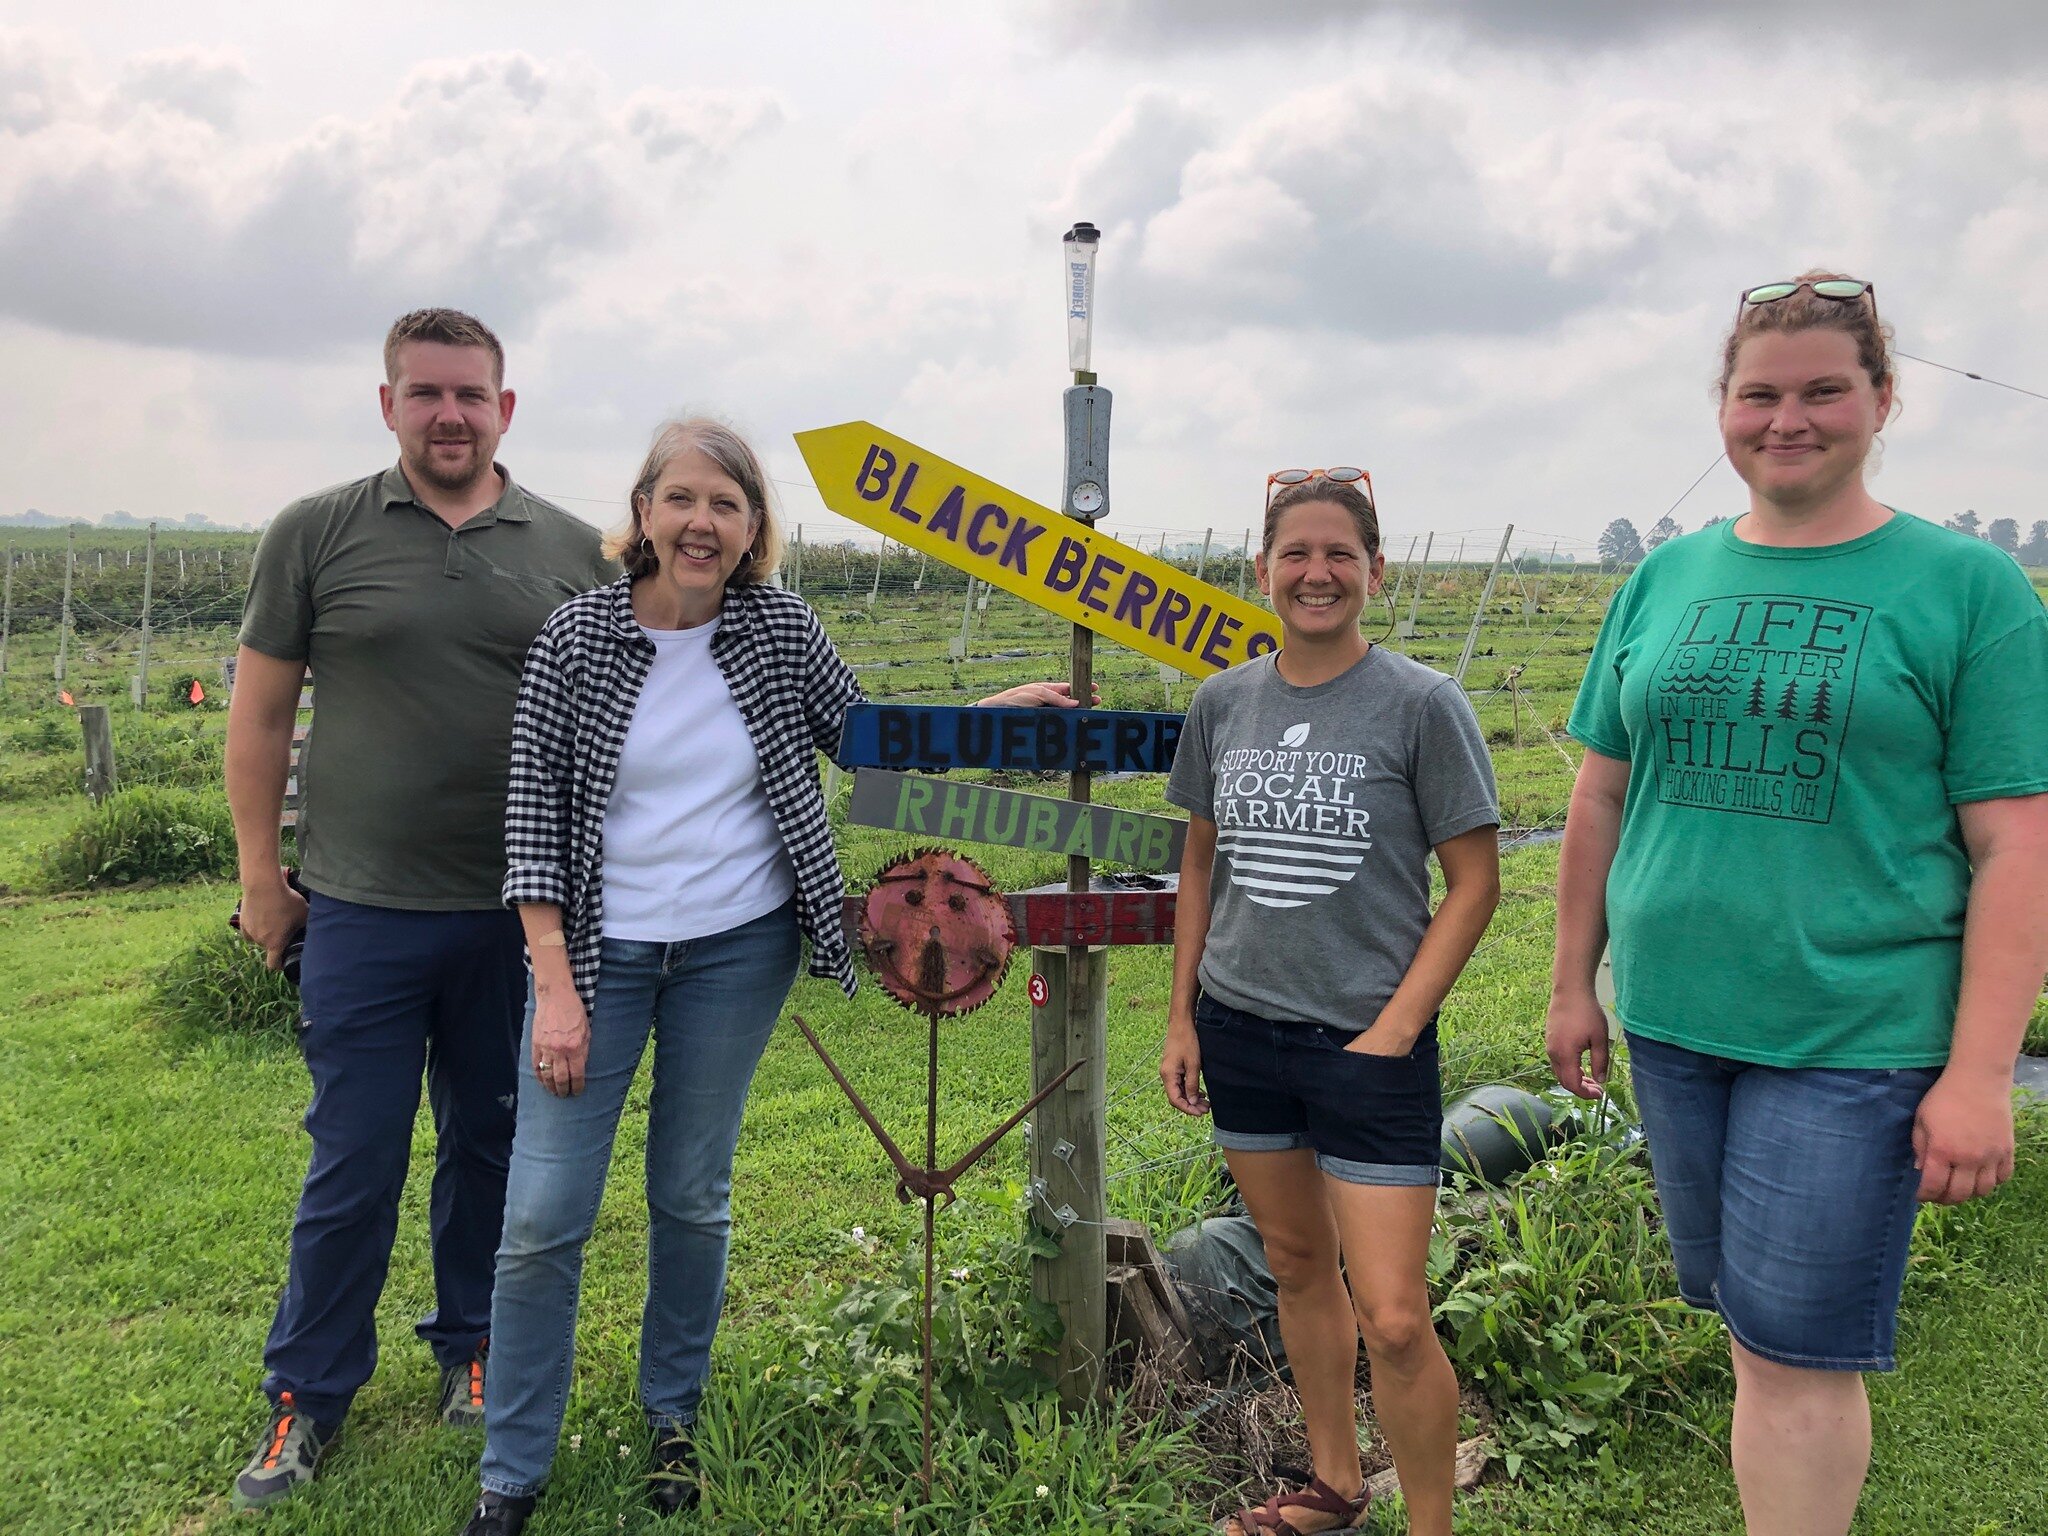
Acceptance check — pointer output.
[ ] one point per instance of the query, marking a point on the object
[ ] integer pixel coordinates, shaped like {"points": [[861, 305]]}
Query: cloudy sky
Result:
{"points": [[1485, 250]]}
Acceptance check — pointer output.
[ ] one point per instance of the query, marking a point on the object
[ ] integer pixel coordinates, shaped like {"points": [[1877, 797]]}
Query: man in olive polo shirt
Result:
{"points": [[411, 596]]}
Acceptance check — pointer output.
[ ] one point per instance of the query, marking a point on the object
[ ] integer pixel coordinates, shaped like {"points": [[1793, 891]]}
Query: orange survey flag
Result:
{"points": [[66, 697], [198, 694]]}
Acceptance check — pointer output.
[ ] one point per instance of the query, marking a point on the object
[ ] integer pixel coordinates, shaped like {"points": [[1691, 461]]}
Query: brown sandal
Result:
{"points": [[1269, 1518]]}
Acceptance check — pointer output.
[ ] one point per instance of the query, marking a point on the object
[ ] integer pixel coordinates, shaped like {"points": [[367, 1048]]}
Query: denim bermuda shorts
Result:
{"points": [[1278, 1086], [1789, 1195]]}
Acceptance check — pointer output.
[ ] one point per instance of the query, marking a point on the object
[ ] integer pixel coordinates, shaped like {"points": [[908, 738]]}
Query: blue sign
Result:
{"points": [[938, 737]]}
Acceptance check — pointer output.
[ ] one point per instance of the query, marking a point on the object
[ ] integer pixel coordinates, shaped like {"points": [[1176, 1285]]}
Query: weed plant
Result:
{"points": [[816, 1424], [142, 834], [219, 986], [1560, 1303], [174, 753]]}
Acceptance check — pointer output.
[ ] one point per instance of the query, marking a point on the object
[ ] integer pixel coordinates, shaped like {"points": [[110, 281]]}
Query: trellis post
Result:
{"points": [[142, 657], [1479, 613], [64, 618]]}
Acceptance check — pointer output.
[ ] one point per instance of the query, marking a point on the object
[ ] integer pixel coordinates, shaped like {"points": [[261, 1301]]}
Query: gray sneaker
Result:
{"points": [[462, 1390], [287, 1458]]}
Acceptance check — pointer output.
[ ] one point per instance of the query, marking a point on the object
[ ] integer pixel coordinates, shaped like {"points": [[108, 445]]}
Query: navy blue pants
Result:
{"points": [[386, 996]]}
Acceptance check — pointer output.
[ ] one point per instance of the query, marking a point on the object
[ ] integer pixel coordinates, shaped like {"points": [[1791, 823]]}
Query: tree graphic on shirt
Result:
{"points": [[1756, 698], [1788, 702], [1820, 711]]}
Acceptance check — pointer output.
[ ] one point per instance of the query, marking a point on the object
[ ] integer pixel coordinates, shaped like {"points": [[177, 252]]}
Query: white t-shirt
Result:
{"points": [[690, 845]]}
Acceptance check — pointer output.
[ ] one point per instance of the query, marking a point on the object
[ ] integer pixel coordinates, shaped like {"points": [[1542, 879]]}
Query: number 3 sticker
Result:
{"points": [[1039, 991]]}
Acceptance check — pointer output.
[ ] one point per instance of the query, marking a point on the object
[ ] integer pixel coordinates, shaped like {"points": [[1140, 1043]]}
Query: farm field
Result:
{"points": [[150, 1174]]}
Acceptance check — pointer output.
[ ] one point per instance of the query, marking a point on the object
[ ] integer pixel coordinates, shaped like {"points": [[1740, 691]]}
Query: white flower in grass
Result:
{"points": [[1043, 1490], [575, 1442], [958, 1274]]}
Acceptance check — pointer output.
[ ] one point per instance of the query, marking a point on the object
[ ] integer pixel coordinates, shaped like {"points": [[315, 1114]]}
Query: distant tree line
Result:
{"points": [[2004, 533], [1621, 545]]}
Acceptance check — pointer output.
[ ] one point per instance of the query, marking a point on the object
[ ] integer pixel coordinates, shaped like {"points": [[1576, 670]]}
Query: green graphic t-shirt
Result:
{"points": [[1800, 726]]}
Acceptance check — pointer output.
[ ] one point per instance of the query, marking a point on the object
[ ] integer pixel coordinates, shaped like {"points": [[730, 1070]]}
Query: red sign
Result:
{"points": [[1039, 990]]}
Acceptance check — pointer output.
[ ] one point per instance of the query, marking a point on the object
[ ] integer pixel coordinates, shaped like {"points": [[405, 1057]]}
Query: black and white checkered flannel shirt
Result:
{"points": [[583, 678]]}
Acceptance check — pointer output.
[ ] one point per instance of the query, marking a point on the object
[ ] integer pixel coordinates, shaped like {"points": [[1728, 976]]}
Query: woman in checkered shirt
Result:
{"points": [[667, 852]]}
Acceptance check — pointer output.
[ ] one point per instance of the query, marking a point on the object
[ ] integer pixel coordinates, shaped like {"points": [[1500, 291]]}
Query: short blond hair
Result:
{"points": [[737, 460]]}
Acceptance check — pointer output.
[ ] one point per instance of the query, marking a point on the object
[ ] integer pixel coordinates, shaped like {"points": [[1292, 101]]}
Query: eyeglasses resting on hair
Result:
{"points": [[1341, 474], [1840, 289]]}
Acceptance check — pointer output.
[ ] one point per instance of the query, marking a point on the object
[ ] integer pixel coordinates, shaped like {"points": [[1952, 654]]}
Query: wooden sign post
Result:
{"points": [[1057, 561], [1071, 1023]]}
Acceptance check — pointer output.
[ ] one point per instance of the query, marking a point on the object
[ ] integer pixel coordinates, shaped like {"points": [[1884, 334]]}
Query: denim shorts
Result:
{"points": [[1789, 1195], [1278, 1086]]}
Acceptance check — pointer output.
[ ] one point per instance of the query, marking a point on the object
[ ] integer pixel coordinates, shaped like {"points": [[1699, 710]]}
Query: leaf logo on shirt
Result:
{"points": [[1294, 735]]}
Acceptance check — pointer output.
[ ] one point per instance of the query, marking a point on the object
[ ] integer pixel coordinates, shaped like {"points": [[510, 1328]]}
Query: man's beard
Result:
{"points": [[441, 480]]}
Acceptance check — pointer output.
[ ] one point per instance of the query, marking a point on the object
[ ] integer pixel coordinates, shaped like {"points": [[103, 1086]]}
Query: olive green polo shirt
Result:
{"points": [[415, 634]]}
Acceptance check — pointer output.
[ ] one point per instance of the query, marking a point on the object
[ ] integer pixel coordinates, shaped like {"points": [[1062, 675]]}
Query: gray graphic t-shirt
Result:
{"points": [[1327, 801]]}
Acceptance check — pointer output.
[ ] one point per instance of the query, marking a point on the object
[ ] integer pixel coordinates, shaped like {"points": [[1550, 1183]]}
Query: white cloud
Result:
{"points": [[135, 212], [200, 83], [1491, 264]]}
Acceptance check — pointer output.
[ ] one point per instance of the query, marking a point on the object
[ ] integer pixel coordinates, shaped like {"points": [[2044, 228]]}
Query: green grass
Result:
{"points": [[149, 1186], [147, 1180]]}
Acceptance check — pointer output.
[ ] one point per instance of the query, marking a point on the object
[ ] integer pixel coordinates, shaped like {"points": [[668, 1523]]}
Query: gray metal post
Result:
{"points": [[1479, 613], [796, 574], [1407, 630], [876, 590], [958, 648], [1401, 577], [64, 620], [1244, 560], [148, 578], [6, 616], [1202, 560]]}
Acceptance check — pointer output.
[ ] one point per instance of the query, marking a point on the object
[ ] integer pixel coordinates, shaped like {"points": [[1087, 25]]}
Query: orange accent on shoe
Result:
{"points": [[284, 1428], [476, 1383]]}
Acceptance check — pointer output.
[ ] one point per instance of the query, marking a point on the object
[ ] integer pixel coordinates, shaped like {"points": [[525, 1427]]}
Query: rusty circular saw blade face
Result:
{"points": [[937, 933]]}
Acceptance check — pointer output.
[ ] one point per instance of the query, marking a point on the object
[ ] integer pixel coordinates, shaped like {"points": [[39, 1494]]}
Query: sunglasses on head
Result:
{"points": [[1840, 289], [1341, 474]]}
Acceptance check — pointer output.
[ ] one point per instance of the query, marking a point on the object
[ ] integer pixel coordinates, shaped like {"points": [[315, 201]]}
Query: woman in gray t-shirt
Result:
{"points": [[1308, 971]]}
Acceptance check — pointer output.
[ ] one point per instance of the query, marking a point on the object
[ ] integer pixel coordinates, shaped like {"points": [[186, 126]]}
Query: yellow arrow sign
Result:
{"points": [[1010, 541]]}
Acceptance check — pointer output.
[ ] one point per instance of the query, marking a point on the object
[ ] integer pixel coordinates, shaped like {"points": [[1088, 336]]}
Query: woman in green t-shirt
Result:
{"points": [[1812, 823]]}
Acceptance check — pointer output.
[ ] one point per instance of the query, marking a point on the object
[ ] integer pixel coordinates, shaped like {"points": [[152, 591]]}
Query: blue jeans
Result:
{"points": [[385, 996], [710, 1004], [1788, 1194]]}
